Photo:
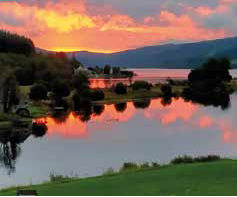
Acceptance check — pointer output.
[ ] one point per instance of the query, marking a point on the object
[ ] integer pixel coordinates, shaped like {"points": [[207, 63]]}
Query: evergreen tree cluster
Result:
{"points": [[14, 43]]}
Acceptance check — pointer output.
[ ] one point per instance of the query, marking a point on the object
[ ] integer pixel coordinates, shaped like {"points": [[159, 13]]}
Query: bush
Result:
{"points": [[57, 178], [182, 159], [129, 166], [207, 158], [188, 159], [141, 85], [166, 90], [109, 172], [97, 95], [155, 165], [81, 102], [38, 92], [127, 73], [145, 165], [120, 88], [81, 82], [60, 89]]}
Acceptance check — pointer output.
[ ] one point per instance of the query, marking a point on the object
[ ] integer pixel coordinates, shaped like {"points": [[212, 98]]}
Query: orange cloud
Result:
{"points": [[223, 7], [70, 25], [204, 11]]}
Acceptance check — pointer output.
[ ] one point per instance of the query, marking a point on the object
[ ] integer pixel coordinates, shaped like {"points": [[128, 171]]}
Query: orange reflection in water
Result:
{"points": [[97, 84], [107, 83], [72, 128], [177, 110], [111, 115], [205, 121]]}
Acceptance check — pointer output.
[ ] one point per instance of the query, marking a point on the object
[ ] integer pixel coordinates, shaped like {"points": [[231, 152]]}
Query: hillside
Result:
{"points": [[188, 55], [217, 178]]}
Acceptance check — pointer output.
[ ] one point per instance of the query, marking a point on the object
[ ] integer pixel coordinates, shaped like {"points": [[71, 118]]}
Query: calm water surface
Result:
{"points": [[123, 133], [151, 75]]}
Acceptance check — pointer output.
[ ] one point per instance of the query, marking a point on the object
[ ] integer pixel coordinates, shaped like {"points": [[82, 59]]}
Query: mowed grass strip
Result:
{"points": [[214, 178]]}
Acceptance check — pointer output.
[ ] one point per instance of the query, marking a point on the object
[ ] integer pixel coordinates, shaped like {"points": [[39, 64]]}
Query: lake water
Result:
{"points": [[154, 131], [87, 144], [151, 75]]}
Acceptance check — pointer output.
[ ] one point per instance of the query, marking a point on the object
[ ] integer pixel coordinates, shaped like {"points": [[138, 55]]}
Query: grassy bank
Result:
{"points": [[214, 178], [111, 97]]}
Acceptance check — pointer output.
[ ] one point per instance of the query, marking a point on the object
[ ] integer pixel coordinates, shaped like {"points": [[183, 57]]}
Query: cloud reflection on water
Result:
{"points": [[180, 113]]}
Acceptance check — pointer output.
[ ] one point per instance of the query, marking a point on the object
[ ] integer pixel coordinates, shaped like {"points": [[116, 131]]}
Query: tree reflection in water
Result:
{"points": [[11, 139], [98, 109], [39, 129], [216, 99], [166, 101], [9, 147], [121, 107], [142, 104]]}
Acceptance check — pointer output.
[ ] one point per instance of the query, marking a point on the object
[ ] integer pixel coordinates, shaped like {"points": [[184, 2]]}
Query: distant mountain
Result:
{"points": [[189, 55]]}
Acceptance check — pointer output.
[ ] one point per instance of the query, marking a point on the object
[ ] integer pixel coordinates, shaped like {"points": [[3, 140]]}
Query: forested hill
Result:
{"points": [[14, 43], [188, 55]]}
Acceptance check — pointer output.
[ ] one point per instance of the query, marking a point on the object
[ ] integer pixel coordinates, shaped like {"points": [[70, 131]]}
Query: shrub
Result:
{"points": [[141, 85], [116, 71], [81, 102], [97, 95], [38, 92], [155, 165], [166, 90], [57, 178], [60, 88], [182, 159], [189, 159], [109, 172], [127, 73], [129, 166], [207, 158], [80, 82], [120, 88], [145, 165]]}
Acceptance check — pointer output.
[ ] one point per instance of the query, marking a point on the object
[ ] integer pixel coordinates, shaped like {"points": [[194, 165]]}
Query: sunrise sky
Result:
{"points": [[116, 25]]}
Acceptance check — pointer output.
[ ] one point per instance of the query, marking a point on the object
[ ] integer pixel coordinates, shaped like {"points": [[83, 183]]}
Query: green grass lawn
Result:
{"points": [[214, 178]]}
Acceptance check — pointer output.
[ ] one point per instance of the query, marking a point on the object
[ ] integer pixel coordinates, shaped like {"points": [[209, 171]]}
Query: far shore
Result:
{"points": [[40, 109]]}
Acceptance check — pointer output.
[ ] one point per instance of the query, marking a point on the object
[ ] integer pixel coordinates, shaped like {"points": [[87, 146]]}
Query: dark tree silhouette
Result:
{"points": [[142, 104], [107, 69], [13, 43], [121, 107], [38, 92], [98, 109], [120, 88]]}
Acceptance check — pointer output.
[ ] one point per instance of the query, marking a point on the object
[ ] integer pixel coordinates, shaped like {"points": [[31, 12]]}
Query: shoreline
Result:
{"points": [[39, 110]]}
